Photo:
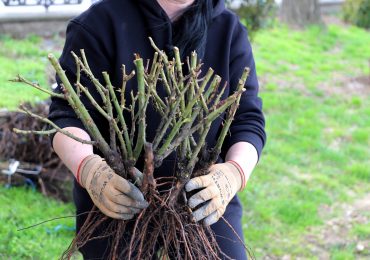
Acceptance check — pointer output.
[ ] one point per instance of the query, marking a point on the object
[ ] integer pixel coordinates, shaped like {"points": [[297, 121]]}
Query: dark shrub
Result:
{"points": [[255, 14], [357, 12]]}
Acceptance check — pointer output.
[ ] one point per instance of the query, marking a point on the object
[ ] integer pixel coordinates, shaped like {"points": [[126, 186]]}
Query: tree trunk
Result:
{"points": [[300, 13]]}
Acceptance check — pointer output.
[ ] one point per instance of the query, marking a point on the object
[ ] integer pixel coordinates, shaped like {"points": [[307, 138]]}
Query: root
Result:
{"points": [[162, 230]]}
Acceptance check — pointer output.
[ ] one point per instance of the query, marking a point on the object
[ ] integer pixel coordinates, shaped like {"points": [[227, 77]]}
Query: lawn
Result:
{"points": [[316, 164], [309, 196], [21, 57], [21, 207]]}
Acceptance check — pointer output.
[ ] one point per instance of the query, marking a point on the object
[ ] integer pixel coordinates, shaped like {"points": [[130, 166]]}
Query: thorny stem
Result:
{"points": [[26, 132], [85, 67], [161, 53], [213, 88], [180, 75], [107, 117], [121, 119], [37, 86], [164, 125], [141, 101], [112, 157], [151, 82], [154, 64], [111, 121], [194, 157], [185, 132], [125, 79], [167, 121], [165, 81], [223, 105], [93, 101], [78, 74], [230, 117], [47, 121], [194, 60], [133, 118], [185, 114]]}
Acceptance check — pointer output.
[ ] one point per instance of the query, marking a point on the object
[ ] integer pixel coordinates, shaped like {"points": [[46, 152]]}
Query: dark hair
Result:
{"points": [[190, 31]]}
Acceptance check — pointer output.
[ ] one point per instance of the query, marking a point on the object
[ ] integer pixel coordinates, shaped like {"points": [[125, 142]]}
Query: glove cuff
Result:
{"points": [[241, 173], [85, 167]]}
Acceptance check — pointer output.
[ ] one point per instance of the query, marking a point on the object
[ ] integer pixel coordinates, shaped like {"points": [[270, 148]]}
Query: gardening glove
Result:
{"points": [[113, 195], [219, 186]]}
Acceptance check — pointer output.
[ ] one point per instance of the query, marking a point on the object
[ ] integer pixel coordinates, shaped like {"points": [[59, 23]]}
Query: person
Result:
{"points": [[110, 32]]}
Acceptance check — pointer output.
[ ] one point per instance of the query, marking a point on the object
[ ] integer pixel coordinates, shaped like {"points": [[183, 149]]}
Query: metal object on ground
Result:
{"points": [[25, 169], [38, 165]]}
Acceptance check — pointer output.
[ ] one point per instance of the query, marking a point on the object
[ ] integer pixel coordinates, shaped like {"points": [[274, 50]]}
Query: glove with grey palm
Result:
{"points": [[219, 186], [115, 196]]}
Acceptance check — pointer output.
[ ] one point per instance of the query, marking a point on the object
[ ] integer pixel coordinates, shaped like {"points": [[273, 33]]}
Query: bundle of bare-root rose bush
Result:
{"points": [[192, 102]]}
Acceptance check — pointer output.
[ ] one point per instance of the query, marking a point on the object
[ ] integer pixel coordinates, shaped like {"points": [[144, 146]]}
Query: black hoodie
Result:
{"points": [[111, 31]]}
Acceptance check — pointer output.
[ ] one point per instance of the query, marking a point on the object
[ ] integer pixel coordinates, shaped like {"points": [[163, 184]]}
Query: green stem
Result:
{"points": [[112, 157], [120, 115], [56, 128], [220, 108], [20, 79], [108, 118], [154, 64], [219, 96], [180, 76], [185, 132], [85, 67], [78, 74], [159, 136], [165, 81], [141, 101], [125, 79], [194, 156], [93, 101], [26, 132], [111, 121], [230, 117], [185, 114], [161, 53], [194, 60], [133, 120], [213, 87]]}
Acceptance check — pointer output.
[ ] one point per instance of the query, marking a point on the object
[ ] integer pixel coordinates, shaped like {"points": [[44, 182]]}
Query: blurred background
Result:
{"points": [[309, 198]]}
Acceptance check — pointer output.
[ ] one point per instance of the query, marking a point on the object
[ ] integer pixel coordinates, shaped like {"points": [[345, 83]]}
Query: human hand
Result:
{"points": [[113, 195], [219, 187]]}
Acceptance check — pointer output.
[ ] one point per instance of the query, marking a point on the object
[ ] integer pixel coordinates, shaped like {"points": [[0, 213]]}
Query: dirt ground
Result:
{"points": [[336, 232]]}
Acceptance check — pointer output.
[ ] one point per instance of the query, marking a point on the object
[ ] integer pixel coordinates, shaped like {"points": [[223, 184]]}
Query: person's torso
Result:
{"points": [[124, 28]]}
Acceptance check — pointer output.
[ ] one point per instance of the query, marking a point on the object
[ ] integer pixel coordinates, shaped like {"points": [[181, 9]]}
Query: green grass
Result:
{"points": [[21, 207], [21, 57], [318, 143], [317, 151]]}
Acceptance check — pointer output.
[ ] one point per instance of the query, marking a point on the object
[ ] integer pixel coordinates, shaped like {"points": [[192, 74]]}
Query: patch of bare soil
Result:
{"points": [[347, 87], [332, 19], [284, 83], [338, 85], [336, 232]]}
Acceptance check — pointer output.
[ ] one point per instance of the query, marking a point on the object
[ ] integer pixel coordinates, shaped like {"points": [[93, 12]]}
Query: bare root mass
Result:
{"points": [[158, 232]]}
